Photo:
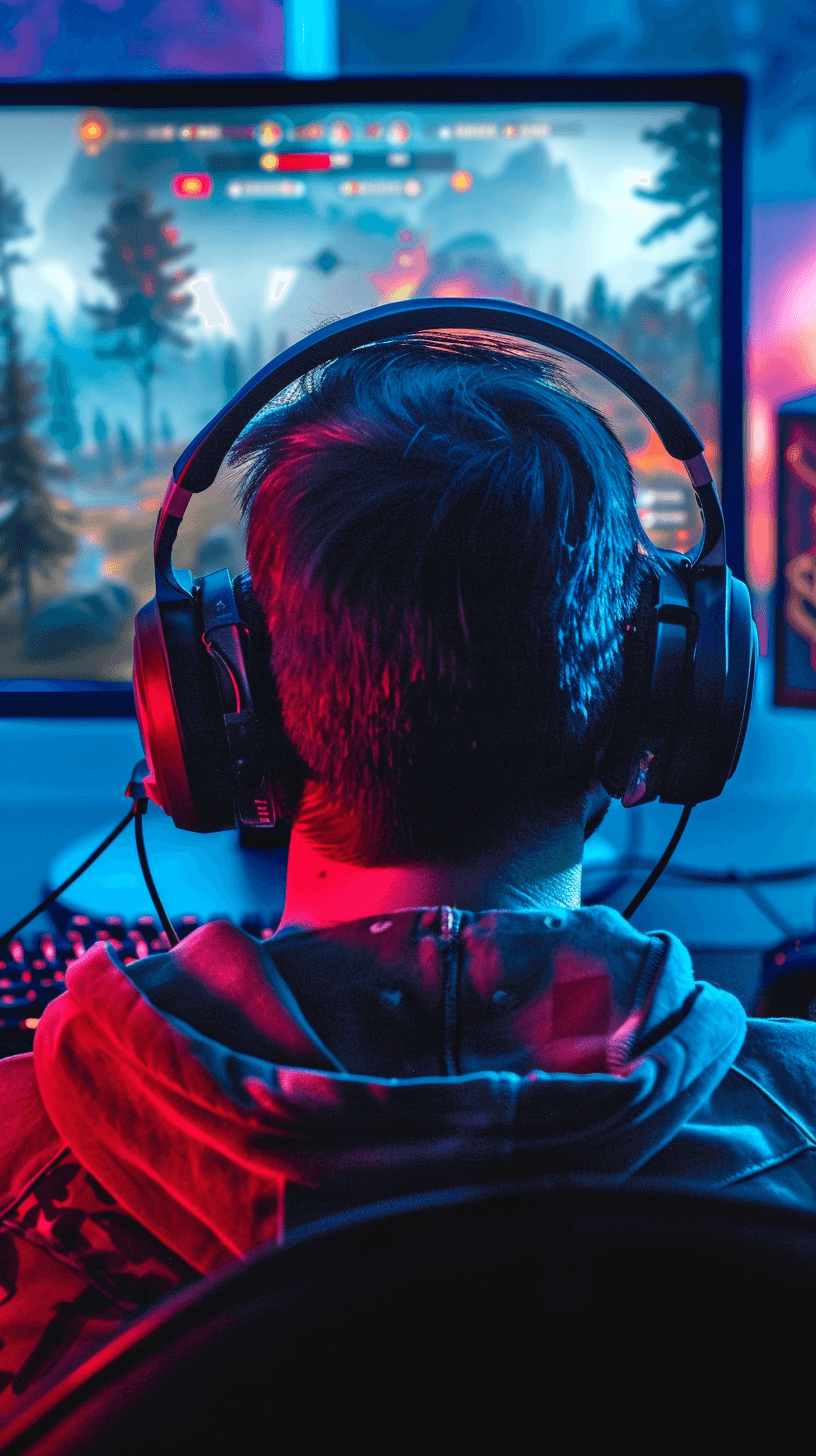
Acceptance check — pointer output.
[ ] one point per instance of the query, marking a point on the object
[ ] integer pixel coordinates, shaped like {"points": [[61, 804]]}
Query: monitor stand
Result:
{"points": [[207, 875]]}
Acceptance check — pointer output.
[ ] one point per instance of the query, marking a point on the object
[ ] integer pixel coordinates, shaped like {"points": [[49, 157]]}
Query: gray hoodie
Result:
{"points": [[179, 1110]]}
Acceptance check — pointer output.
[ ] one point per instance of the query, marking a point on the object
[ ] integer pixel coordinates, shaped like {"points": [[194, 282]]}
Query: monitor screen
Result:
{"points": [[159, 244]]}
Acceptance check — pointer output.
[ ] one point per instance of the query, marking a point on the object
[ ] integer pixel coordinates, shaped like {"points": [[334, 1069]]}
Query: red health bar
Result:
{"points": [[303, 162]]}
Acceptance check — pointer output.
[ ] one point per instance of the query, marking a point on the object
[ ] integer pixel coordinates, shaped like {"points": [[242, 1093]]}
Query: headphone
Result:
{"points": [[206, 701]]}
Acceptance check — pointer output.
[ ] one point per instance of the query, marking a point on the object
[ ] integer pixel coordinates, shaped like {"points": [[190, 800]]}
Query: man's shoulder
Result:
{"points": [[28, 1138], [779, 1054]]}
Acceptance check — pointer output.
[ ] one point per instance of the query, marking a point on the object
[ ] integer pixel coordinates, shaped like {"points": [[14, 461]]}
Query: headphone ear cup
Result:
{"points": [[180, 717], [719, 693], [689, 666], [274, 758], [742, 666], [718, 698], [619, 755], [166, 784]]}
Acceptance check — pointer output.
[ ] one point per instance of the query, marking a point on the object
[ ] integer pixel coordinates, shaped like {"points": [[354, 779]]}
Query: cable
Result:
{"points": [[135, 791], [55, 894], [768, 910], [140, 810], [733, 877], [630, 861], [661, 864], [624, 867]]}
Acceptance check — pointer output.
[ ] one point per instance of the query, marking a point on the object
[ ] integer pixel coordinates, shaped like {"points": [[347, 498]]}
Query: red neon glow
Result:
{"points": [[192, 184], [303, 161]]}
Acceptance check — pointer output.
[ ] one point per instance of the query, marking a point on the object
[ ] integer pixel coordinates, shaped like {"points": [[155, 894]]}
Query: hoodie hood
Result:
{"points": [[231, 1087]]}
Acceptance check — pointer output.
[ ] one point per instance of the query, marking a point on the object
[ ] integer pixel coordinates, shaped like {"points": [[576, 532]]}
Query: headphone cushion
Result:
{"points": [[274, 757], [620, 753]]}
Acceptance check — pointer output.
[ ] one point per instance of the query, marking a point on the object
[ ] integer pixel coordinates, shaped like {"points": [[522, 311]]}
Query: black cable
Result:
{"points": [[49, 899], [733, 877], [167, 924], [623, 869], [769, 911], [660, 866], [136, 791]]}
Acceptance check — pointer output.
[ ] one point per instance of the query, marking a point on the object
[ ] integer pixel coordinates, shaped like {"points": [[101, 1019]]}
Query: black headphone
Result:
{"points": [[206, 701]]}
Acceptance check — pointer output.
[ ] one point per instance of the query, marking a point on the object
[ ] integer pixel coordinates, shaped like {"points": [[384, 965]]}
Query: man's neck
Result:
{"points": [[322, 891]]}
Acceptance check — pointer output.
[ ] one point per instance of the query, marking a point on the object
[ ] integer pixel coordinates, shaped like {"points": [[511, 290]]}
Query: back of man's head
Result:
{"points": [[445, 543]]}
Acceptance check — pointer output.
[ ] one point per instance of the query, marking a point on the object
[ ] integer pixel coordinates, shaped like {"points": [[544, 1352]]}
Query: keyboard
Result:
{"points": [[32, 968]]}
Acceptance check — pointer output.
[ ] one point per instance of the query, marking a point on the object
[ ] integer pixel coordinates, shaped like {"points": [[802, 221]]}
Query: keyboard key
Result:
{"points": [[33, 967], [147, 926], [52, 953], [14, 955], [80, 928]]}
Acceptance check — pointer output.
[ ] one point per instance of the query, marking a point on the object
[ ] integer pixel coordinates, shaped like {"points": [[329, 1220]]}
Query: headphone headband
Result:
{"points": [[197, 467]]}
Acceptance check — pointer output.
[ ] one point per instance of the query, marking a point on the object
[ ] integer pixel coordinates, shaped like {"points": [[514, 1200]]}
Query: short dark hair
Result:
{"points": [[444, 539]]}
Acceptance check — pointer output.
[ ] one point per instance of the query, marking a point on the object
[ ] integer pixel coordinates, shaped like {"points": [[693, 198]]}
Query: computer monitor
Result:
{"points": [[159, 242]]}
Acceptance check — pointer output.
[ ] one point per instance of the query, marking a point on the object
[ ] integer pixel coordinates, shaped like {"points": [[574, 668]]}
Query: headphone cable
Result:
{"points": [[136, 791], [55, 894], [660, 866], [140, 809]]}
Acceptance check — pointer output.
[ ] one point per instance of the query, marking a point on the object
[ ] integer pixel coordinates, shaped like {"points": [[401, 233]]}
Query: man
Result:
{"points": [[444, 541]]}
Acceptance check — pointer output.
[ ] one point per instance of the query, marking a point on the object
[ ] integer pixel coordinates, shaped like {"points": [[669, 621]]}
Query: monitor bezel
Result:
{"points": [[726, 91]]}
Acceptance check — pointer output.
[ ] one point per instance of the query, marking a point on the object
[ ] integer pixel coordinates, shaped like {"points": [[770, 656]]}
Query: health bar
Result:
{"points": [[303, 161], [239, 162]]}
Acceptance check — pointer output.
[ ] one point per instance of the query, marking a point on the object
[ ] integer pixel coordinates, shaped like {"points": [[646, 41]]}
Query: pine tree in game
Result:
{"points": [[64, 426], [127, 452], [100, 433], [139, 263], [33, 536], [690, 182]]}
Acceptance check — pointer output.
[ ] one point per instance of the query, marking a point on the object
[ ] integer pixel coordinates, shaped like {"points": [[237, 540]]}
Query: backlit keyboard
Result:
{"points": [[32, 968]]}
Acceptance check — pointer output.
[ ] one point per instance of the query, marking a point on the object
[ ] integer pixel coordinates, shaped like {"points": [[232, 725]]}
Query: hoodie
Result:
{"points": [[179, 1111]]}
